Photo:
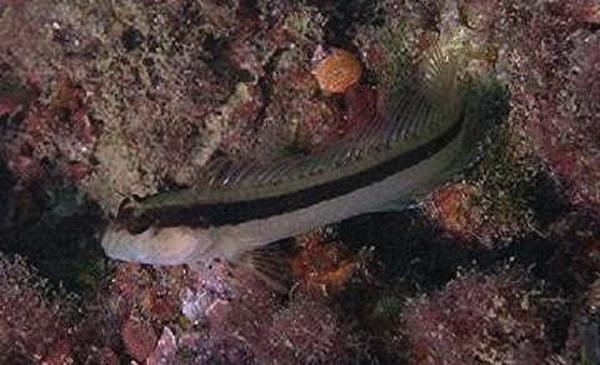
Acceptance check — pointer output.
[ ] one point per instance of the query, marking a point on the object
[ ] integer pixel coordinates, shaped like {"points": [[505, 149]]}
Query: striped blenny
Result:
{"points": [[419, 139]]}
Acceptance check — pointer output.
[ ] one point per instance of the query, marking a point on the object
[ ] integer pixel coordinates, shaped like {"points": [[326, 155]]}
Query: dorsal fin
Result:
{"points": [[424, 103]]}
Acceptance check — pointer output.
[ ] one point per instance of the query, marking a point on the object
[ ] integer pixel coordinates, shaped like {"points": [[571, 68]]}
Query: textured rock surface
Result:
{"points": [[105, 99]]}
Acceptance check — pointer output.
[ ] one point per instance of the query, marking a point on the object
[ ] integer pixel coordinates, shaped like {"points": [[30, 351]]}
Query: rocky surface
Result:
{"points": [[101, 100]]}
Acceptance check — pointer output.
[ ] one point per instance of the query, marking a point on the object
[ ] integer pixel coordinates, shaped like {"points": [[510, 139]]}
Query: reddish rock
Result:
{"points": [[165, 351], [586, 11], [244, 321], [27, 168], [556, 111], [61, 355], [307, 331], [139, 338], [77, 171], [156, 87], [103, 356], [32, 326], [154, 292], [7, 106], [477, 318], [361, 107]]}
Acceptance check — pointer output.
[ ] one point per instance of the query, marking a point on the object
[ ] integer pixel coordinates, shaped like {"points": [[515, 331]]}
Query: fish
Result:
{"points": [[420, 139]]}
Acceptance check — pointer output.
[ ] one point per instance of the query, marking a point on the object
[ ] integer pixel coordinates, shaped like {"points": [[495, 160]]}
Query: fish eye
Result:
{"points": [[139, 225], [133, 222]]}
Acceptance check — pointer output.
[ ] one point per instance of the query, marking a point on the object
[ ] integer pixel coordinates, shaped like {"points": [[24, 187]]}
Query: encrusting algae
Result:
{"points": [[122, 99]]}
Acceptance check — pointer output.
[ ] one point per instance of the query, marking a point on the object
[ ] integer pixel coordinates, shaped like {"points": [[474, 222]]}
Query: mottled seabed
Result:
{"points": [[105, 100]]}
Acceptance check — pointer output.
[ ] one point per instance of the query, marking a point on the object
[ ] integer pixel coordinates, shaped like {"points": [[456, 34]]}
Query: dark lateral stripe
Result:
{"points": [[236, 212]]}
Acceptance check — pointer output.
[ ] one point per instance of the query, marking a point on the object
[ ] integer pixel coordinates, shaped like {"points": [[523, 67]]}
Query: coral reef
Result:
{"points": [[111, 99]]}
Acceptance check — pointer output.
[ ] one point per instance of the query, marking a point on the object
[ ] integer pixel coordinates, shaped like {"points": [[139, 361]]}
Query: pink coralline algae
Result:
{"points": [[60, 132], [153, 292], [488, 319], [165, 351], [555, 92], [139, 338], [248, 323], [130, 98], [32, 327], [307, 331], [228, 302]]}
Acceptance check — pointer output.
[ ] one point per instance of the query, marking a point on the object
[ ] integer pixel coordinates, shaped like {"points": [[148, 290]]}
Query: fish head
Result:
{"points": [[156, 245]]}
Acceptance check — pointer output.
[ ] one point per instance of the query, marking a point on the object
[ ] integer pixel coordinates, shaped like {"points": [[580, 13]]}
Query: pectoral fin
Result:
{"points": [[271, 264]]}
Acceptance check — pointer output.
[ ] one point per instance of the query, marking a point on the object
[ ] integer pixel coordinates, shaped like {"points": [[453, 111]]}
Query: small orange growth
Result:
{"points": [[452, 205], [338, 71], [453, 208], [323, 267]]}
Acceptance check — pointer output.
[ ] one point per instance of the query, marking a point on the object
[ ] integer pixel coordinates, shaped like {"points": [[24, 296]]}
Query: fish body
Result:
{"points": [[421, 140]]}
